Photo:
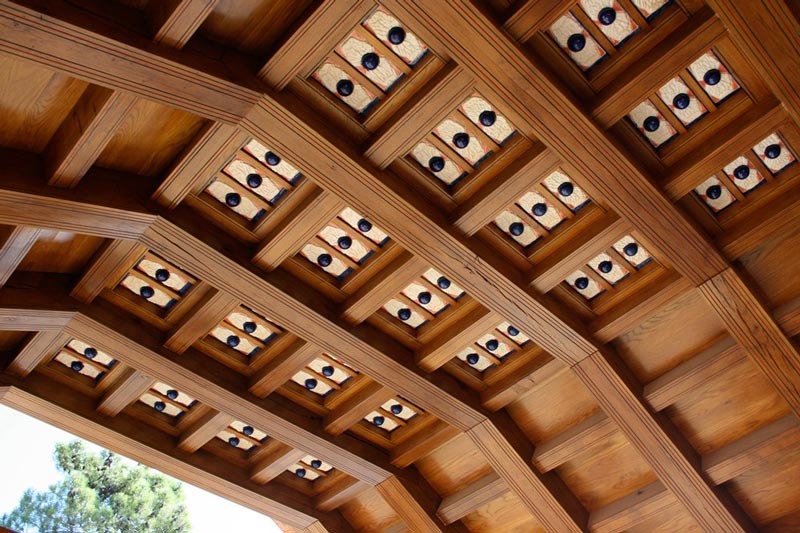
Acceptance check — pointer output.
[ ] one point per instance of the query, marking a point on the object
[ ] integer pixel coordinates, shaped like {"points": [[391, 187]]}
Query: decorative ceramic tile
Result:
{"points": [[566, 190], [405, 313], [376, 67], [252, 179], [495, 345], [313, 382], [335, 373], [516, 228], [345, 87], [513, 333], [608, 268], [443, 283], [713, 77], [652, 123], [149, 291], [611, 18], [272, 161], [633, 252], [364, 226], [584, 285], [458, 138], [774, 153], [310, 468], [681, 101], [320, 257], [233, 338], [85, 359], [425, 298], [242, 436], [568, 33], [470, 357], [743, 174], [715, 194], [345, 243], [167, 400], [541, 210], [388, 29], [650, 8], [437, 163], [238, 203], [487, 119]]}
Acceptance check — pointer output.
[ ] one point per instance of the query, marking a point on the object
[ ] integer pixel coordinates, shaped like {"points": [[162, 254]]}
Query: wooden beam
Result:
{"points": [[367, 396], [41, 345], [175, 21], [209, 312], [275, 463], [632, 509], [473, 496], [17, 242], [75, 414], [84, 134], [578, 439], [298, 228], [129, 387], [203, 430], [381, 287], [107, 269], [339, 493], [534, 373], [767, 32], [405, 499], [447, 344], [757, 332], [422, 443], [666, 451], [281, 368]]}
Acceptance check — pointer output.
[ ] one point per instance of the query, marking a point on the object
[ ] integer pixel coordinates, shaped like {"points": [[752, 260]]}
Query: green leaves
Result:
{"points": [[101, 494]]}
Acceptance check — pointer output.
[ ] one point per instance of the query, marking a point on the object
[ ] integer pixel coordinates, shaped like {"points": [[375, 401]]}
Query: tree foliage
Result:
{"points": [[101, 494]]}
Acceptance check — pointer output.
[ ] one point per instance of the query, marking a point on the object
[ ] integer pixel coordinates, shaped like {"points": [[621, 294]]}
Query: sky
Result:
{"points": [[26, 460]]}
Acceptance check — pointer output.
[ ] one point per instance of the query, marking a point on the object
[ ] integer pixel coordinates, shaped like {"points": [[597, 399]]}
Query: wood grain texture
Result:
{"points": [[757, 332], [130, 386], [18, 241], [41, 345], [209, 312], [359, 404], [203, 430], [107, 269]]}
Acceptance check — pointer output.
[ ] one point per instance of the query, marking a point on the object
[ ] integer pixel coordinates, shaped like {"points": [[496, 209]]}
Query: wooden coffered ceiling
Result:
{"points": [[385, 265]]}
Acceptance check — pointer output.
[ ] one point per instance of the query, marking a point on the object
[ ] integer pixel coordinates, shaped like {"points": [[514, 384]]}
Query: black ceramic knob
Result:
{"points": [[461, 140], [681, 101], [436, 163], [344, 87], [311, 383], [487, 118], [712, 77], [424, 297], [772, 151], [172, 394], [741, 172], [370, 61], [77, 366], [159, 406], [473, 358], [443, 283], [344, 242], [396, 409], [162, 275], [607, 16], [254, 181], [233, 441], [316, 463], [147, 292], [404, 314], [364, 225], [248, 430], [378, 420], [492, 344], [714, 192], [324, 260], [300, 472], [90, 353], [651, 123], [512, 331], [605, 266], [232, 341], [249, 327], [581, 283], [271, 159], [232, 199], [631, 249], [539, 209], [576, 42], [396, 35], [566, 189], [327, 371], [516, 229]]}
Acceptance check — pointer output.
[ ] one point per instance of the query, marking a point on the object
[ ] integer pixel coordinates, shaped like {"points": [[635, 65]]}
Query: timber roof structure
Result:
{"points": [[390, 265]]}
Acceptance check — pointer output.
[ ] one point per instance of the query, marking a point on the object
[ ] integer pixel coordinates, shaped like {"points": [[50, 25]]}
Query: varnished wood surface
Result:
{"points": [[667, 403]]}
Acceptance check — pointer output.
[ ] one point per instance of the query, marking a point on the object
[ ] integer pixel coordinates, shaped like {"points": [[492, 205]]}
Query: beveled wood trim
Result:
{"points": [[268, 467], [632, 509], [208, 312], [107, 269], [17, 242], [203, 430], [461, 503], [360, 402], [126, 390], [41, 345], [173, 27], [339, 493], [282, 367]]}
